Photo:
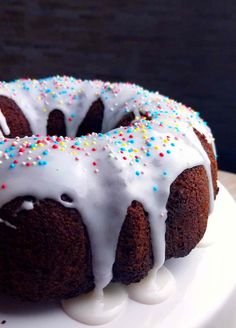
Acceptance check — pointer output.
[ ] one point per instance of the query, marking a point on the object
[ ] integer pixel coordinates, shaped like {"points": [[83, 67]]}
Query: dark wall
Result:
{"points": [[185, 49]]}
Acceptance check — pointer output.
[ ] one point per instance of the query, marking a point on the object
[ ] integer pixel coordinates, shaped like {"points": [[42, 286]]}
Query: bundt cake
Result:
{"points": [[99, 182]]}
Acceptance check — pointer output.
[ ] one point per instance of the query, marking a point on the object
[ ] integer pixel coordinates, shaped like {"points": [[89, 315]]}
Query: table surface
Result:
{"points": [[229, 181]]}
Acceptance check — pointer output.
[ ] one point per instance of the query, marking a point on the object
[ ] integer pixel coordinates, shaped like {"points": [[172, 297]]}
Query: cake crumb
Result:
{"points": [[3, 322]]}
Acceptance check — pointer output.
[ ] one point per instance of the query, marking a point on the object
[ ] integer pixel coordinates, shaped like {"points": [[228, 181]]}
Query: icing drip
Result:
{"points": [[99, 308], [153, 289], [94, 309], [8, 224], [3, 125], [124, 164]]}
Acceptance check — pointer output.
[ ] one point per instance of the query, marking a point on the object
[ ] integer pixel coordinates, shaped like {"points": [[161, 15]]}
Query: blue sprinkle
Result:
{"points": [[153, 138], [12, 166], [45, 152], [137, 173], [168, 151], [137, 160], [155, 188], [172, 144], [42, 163], [148, 154]]}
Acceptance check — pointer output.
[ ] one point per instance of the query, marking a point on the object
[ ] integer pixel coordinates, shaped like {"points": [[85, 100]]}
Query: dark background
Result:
{"points": [[184, 49]]}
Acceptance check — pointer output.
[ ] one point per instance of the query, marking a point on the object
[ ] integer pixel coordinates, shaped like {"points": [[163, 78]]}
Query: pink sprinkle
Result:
{"points": [[161, 155], [94, 163], [28, 164], [4, 186], [55, 147]]}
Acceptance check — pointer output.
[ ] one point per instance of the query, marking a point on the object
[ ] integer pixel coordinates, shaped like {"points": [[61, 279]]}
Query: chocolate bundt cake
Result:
{"points": [[99, 182]]}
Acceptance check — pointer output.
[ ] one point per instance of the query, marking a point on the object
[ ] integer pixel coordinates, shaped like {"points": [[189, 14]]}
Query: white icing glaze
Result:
{"points": [[27, 205], [8, 224], [99, 308], [153, 289], [125, 164], [94, 309], [3, 125]]}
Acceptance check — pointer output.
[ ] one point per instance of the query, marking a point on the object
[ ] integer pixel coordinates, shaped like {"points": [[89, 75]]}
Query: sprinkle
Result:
{"points": [[55, 147], [42, 163], [161, 154], [12, 166], [137, 173], [4, 186], [155, 188]]}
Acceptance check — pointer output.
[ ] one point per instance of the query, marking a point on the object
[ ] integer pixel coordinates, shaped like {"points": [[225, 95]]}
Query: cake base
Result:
{"points": [[205, 295]]}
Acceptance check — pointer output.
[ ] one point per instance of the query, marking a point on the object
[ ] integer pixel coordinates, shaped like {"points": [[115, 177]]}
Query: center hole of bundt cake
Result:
{"points": [[92, 122]]}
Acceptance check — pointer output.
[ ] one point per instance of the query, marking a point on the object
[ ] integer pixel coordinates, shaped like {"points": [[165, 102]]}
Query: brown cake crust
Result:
{"points": [[48, 256], [134, 257], [13, 115], [188, 209]]}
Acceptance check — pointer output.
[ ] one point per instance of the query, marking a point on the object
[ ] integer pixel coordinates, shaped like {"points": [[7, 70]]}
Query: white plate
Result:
{"points": [[204, 298]]}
